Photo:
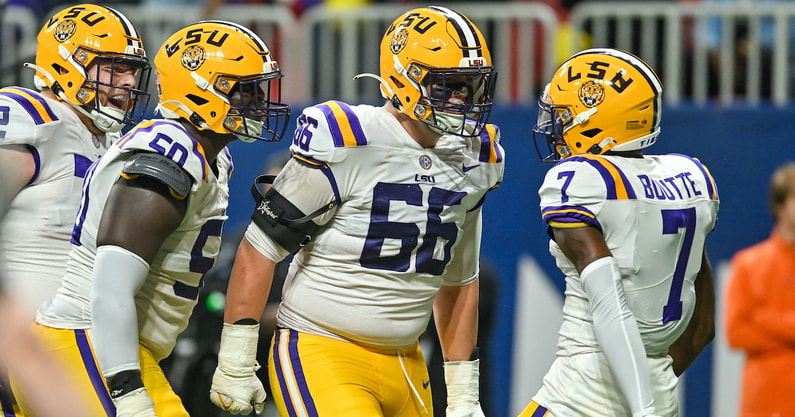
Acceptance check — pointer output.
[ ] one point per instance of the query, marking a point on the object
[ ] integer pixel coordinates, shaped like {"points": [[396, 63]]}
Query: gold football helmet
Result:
{"points": [[221, 76], [599, 100], [436, 68], [79, 36]]}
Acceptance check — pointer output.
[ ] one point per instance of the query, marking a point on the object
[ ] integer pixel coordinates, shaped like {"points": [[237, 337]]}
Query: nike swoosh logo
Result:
{"points": [[426, 383], [469, 168]]}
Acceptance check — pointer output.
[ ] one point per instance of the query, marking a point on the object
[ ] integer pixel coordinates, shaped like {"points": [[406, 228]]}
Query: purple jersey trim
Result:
{"points": [[81, 165], [712, 190], [570, 214], [336, 122], [28, 105], [617, 185], [487, 144]]}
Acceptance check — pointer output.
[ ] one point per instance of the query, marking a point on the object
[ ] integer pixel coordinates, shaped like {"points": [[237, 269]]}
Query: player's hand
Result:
{"points": [[238, 394], [235, 386], [135, 404], [462, 380]]}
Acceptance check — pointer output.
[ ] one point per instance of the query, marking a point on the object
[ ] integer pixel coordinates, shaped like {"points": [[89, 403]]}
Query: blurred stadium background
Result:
{"points": [[727, 69]]}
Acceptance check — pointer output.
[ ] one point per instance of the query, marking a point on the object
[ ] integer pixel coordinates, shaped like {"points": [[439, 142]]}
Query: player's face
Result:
{"points": [[453, 91], [250, 98], [113, 79]]}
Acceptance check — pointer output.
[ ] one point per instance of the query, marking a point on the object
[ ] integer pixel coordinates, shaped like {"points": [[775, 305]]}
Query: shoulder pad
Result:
{"points": [[32, 102], [25, 115], [169, 138], [326, 127], [610, 181], [712, 188], [161, 168], [491, 150]]}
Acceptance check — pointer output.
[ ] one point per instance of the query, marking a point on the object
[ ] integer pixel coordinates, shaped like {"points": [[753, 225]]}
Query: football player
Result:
{"points": [[153, 208], [629, 233], [382, 207], [91, 74]]}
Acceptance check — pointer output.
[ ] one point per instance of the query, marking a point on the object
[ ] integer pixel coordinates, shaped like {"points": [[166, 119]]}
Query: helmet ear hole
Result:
{"points": [[197, 100], [591, 133], [397, 82]]}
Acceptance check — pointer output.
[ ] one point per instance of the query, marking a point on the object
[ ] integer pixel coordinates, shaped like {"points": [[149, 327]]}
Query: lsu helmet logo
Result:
{"points": [[65, 30], [591, 94], [399, 40], [193, 57]]}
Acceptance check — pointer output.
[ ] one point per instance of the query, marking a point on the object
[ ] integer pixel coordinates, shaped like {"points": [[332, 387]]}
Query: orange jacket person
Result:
{"points": [[760, 314]]}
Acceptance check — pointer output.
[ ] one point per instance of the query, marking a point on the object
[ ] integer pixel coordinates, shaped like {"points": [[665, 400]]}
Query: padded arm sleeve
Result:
{"points": [[282, 220], [618, 334], [118, 274]]}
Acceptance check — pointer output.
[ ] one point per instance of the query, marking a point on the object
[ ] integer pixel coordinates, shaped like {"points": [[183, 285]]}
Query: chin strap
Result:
{"points": [[170, 114]]}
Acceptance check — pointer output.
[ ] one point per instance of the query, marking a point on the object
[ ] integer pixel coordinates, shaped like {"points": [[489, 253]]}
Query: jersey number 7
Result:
{"points": [[673, 220]]}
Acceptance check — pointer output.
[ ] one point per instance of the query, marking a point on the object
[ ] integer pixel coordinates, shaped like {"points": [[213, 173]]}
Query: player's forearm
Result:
{"points": [[118, 274], [689, 345], [456, 317], [617, 333], [249, 284], [701, 329]]}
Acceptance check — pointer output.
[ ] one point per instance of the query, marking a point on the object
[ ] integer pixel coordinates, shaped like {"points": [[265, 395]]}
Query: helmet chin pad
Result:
{"points": [[108, 119], [447, 123], [249, 131]]}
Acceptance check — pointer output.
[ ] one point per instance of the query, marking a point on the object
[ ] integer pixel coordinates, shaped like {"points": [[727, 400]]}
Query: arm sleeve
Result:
{"points": [[118, 274], [618, 334]]}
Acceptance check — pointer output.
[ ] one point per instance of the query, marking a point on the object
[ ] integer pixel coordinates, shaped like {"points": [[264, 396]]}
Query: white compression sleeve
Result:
{"points": [[618, 334], [118, 274]]}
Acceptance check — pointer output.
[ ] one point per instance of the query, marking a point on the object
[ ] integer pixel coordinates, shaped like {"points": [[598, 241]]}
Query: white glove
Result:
{"points": [[462, 379], [135, 403], [236, 387]]}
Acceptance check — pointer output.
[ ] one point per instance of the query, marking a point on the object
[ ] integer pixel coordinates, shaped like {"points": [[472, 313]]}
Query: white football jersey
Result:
{"points": [[171, 290], [407, 222], [655, 213], [36, 231]]}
